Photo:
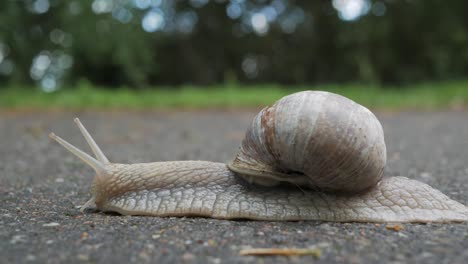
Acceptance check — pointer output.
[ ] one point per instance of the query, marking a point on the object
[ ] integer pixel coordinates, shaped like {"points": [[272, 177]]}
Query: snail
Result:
{"points": [[310, 156]]}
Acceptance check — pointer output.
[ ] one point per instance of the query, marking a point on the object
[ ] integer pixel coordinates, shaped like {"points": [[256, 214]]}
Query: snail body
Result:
{"points": [[310, 156]]}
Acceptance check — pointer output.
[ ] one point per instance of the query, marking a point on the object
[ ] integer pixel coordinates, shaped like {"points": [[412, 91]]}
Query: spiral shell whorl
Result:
{"points": [[315, 139]]}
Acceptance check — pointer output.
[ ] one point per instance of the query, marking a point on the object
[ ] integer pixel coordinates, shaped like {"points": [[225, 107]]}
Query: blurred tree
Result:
{"points": [[109, 51], [54, 41], [151, 42]]}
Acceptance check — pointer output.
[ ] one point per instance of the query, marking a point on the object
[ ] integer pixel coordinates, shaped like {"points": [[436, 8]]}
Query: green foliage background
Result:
{"points": [[413, 41]]}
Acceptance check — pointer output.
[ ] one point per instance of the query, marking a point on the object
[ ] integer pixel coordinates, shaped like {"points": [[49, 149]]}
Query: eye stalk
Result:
{"points": [[94, 147], [96, 164]]}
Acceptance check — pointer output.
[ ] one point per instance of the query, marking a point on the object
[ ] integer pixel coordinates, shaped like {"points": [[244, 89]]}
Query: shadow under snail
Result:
{"points": [[310, 156]]}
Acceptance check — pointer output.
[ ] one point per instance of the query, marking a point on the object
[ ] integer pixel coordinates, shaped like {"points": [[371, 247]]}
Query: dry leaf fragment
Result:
{"points": [[280, 252], [394, 227], [84, 235], [211, 242]]}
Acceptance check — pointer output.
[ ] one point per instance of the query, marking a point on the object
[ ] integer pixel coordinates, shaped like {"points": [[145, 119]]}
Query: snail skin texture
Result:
{"points": [[310, 156]]}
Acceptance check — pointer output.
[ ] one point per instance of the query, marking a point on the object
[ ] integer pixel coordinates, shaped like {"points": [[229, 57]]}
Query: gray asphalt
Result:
{"points": [[41, 186]]}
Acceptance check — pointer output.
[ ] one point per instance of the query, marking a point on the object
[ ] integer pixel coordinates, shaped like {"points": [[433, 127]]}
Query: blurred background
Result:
{"points": [[50, 45]]}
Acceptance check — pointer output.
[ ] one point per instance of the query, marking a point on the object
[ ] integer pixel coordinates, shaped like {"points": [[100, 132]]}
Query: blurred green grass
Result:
{"points": [[425, 96]]}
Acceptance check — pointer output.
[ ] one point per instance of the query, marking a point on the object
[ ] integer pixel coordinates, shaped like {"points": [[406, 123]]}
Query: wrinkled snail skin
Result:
{"points": [[208, 189], [332, 171]]}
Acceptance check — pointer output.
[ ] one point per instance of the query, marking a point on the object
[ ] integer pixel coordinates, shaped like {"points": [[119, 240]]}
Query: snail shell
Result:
{"points": [[317, 139]]}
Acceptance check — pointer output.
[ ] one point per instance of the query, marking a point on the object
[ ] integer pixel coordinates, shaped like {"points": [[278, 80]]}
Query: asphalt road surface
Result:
{"points": [[42, 186]]}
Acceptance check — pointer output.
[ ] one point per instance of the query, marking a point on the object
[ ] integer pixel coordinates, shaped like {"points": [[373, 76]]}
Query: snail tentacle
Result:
{"points": [[92, 144], [92, 162]]}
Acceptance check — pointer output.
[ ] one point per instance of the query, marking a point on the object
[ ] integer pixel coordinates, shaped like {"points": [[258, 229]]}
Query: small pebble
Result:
{"points": [[427, 255], [402, 235], [82, 257], [150, 246], [18, 239], [144, 255], [278, 239], [425, 175], [51, 224], [214, 260], [188, 256], [323, 245]]}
